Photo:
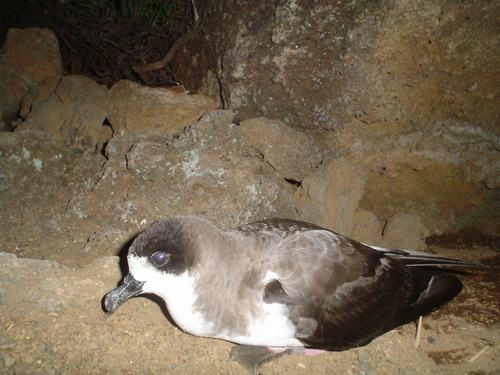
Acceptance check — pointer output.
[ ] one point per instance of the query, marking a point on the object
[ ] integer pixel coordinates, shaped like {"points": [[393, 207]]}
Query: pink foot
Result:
{"points": [[311, 352]]}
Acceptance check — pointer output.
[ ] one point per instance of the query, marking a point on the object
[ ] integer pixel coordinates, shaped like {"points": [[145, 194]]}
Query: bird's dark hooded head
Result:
{"points": [[168, 245], [166, 249]]}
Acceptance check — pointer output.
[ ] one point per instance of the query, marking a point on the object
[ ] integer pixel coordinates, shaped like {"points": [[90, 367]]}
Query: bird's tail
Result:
{"points": [[433, 289], [433, 283], [413, 258]]}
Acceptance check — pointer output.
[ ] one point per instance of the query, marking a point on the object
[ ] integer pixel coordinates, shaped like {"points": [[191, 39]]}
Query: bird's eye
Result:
{"points": [[160, 258]]}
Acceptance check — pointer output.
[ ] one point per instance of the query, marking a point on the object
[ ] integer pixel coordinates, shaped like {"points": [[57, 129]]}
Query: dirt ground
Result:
{"points": [[52, 322]]}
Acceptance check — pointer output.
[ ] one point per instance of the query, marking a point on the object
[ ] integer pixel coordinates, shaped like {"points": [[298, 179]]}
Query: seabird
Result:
{"points": [[281, 286]]}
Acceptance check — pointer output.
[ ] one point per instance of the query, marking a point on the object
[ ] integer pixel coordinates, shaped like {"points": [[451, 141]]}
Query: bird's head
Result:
{"points": [[164, 250]]}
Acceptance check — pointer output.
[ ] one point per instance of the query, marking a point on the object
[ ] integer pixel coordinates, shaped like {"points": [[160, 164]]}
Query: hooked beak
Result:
{"points": [[130, 288]]}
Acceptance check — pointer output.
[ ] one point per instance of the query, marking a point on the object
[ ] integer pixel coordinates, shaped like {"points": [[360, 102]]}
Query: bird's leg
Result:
{"points": [[251, 357]]}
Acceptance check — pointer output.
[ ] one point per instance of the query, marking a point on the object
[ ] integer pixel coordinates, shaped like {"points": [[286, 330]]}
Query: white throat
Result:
{"points": [[176, 290]]}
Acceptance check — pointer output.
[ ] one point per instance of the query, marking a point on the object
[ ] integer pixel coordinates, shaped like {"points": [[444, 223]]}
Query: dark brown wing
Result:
{"points": [[342, 294]]}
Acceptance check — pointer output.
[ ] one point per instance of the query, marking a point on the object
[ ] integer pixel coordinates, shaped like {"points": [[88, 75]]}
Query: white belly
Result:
{"points": [[272, 328]]}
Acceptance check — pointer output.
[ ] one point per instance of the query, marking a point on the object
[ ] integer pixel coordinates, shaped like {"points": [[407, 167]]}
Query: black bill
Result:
{"points": [[130, 288]]}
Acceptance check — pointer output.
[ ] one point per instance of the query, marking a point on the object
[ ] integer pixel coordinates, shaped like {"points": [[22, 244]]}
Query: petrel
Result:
{"points": [[281, 286]]}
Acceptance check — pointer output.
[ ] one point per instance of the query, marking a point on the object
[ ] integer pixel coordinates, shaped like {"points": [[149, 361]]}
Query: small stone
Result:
{"points": [[8, 360], [28, 359]]}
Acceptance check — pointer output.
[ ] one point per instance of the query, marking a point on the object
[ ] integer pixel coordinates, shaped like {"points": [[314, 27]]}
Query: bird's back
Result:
{"points": [[341, 293]]}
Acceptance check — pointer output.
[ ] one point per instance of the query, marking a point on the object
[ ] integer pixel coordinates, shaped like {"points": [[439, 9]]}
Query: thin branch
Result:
{"points": [[195, 14], [142, 70]]}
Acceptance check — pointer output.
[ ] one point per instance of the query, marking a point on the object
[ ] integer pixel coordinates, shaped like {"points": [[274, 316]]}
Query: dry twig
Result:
{"points": [[480, 353], [419, 332]]}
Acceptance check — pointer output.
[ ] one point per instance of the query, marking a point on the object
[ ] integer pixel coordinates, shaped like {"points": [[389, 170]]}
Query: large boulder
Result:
{"points": [[34, 52], [72, 109], [140, 108], [443, 182], [321, 65]]}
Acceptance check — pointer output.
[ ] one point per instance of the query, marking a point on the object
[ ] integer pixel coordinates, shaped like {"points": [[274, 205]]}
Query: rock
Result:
{"points": [[86, 206], [138, 108], [24, 46], [207, 170], [321, 65], [446, 175], [437, 186], [329, 197], [14, 84], [72, 109], [405, 231], [51, 288], [288, 151], [38, 94], [366, 228], [38, 179], [399, 84]]}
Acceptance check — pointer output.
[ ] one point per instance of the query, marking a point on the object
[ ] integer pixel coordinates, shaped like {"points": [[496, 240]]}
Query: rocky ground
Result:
{"points": [[52, 322]]}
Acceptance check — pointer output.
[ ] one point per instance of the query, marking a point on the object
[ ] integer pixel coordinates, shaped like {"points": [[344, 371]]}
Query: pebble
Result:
{"points": [[8, 360]]}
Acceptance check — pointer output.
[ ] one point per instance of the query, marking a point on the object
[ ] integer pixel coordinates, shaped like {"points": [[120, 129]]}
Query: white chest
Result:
{"points": [[180, 298], [269, 326]]}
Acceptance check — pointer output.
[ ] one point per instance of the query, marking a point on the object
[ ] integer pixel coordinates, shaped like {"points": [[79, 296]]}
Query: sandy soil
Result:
{"points": [[52, 322]]}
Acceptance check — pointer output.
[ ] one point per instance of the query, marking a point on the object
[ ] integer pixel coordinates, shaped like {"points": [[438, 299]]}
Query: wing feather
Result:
{"points": [[328, 282], [341, 293]]}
